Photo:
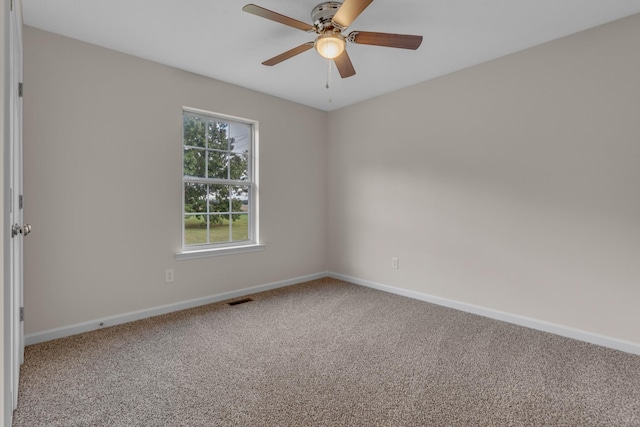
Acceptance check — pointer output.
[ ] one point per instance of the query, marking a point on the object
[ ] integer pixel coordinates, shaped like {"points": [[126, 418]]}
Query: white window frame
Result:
{"points": [[224, 248]]}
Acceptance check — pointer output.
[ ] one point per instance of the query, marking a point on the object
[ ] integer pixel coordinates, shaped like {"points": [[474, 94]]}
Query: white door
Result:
{"points": [[18, 228]]}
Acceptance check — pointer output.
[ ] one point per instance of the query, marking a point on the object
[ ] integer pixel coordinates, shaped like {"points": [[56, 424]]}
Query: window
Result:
{"points": [[219, 181]]}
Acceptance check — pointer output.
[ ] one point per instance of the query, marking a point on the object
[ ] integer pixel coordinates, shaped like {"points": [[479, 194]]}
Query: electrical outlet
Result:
{"points": [[168, 276], [394, 263]]}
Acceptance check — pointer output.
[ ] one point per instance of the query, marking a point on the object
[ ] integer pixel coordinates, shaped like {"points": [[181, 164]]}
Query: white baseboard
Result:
{"points": [[540, 325], [104, 322], [565, 331]]}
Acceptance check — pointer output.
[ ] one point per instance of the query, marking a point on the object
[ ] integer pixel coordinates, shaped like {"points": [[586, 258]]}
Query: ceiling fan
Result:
{"points": [[330, 19]]}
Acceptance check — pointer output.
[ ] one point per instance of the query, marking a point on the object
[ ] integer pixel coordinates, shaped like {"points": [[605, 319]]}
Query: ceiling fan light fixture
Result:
{"points": [[330, 45]]}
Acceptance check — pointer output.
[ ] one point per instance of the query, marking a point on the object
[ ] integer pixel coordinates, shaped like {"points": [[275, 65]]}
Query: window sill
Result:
{"points": [[206, 253]]}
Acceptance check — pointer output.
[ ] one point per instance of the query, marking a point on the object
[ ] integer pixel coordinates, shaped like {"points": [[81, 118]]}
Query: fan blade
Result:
{"points": [[402, 41], [349, 11], [288, 54], [345, 67], [266, 13]]}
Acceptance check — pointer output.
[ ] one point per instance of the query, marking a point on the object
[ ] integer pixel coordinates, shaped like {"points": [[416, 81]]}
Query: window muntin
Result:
{"points": [[219, 183]]}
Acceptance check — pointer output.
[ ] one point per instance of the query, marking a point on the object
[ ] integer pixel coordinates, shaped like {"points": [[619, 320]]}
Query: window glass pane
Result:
{"points": [[239, 164], [240, 227], [218, 165], [195, 197], [218, 138], [240, 137], [219, 228], [218, 198], [194, 131], [240, 198], [194, 162], [195, 229]]}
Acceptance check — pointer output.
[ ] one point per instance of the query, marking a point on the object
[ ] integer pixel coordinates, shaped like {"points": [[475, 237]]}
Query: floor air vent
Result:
{"points": [[240, 301]]}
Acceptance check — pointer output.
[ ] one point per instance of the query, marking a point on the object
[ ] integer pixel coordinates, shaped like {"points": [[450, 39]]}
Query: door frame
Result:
{"points": [[16, 250]]}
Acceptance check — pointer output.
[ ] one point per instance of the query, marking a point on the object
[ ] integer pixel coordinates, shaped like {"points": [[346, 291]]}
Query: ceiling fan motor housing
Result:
{"points": [[322, 16]]}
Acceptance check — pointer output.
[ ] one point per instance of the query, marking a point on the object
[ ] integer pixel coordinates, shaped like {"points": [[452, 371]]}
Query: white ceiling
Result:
{"points": [[215, 38]]}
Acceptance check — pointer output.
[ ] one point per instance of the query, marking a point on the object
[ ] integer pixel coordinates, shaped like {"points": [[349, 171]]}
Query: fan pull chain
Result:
{"points": [[328, 86]]}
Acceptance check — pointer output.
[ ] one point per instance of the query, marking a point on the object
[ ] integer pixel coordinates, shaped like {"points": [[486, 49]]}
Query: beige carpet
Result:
{"points": [[325, 353]]}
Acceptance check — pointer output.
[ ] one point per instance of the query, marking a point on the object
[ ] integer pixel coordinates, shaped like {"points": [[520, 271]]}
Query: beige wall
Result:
{"points": [[103, 184], [512, 185]]}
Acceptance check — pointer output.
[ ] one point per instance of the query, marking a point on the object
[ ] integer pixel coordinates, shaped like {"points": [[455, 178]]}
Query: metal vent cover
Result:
{"points": [[240, 301]]}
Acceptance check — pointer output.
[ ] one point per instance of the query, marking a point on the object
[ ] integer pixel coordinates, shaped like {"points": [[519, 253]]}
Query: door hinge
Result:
{"points": [[20, 202], [22, 314], [20, 90]]}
